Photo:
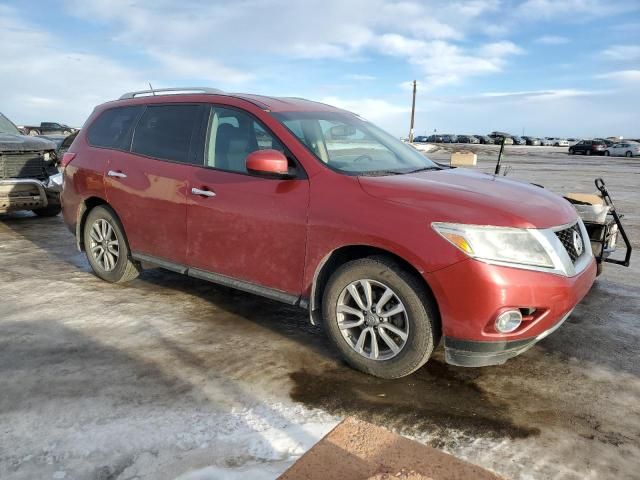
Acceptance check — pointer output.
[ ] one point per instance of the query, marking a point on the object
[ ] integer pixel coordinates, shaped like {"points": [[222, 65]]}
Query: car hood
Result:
{"points": [[462, 196], [10, 142]]}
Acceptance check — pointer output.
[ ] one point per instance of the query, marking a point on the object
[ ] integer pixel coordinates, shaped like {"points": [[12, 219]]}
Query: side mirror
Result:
{"points": [[268, 162]]}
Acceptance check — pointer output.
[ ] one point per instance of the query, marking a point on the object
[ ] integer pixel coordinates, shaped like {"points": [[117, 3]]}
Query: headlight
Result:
{"points": [[517, 246]]}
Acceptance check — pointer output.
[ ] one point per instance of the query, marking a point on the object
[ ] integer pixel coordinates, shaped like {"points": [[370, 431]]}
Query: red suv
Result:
{"points": [[313, 206]]}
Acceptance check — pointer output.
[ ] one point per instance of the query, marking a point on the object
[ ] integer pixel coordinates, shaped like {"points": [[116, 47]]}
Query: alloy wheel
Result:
{"points": [[104, 247], [372, 319]]}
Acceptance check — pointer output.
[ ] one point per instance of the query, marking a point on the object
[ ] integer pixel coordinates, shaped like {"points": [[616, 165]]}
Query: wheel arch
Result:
{"points": [[346, 253], [83, 211]]}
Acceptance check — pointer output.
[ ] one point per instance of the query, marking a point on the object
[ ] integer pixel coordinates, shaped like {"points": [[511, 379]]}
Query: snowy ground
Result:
{"points": [[171, 377]]}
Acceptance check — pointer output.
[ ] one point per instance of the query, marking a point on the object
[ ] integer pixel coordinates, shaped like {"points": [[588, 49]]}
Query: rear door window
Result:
{"points": [[112, 129], [167, 132]]}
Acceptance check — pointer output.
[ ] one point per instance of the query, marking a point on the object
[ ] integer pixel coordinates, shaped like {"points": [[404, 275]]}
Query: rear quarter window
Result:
{"points": [[112, 129]]}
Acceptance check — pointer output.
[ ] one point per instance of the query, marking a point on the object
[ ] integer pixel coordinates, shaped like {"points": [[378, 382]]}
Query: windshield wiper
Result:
{"points": [[423, 169], [375, 173]]}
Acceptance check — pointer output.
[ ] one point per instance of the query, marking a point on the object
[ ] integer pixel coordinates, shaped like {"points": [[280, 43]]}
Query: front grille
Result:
{"points": [[23, 165], [566, 238]]}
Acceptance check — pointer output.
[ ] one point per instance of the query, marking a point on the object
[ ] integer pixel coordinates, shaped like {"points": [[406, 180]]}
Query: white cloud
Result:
{"points": [[552, 40], [624, 76], [537, 95], [358, 77], [444, 63], [623, 52], [47, 82], [575, 9], [369, 108]]}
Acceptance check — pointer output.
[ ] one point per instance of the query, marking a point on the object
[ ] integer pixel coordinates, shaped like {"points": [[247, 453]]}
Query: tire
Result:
{"points": [[571, 151], [587, 152], [419, 320], [606, 153], [599, 268], [629, 154], [121, 268], [48, 211]]}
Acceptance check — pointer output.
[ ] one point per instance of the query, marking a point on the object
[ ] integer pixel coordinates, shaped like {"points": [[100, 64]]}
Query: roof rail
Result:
{"points": [[176, 90]]}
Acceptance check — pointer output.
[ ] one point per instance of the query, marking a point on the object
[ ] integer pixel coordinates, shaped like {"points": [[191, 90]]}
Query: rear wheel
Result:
{"points": [[106, 246], [571, 151], [628, 154], [380, 317], [606, 153], [587, 152]]}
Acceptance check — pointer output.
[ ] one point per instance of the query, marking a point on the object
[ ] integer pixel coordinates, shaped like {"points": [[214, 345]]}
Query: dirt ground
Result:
{"points": [[170, 376]]}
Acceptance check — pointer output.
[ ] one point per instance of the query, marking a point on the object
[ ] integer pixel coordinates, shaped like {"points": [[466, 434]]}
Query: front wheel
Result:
{"points": [[380, 317], [606, 153], [628, 154], [106, 246], [571, 151], [48, 211]]}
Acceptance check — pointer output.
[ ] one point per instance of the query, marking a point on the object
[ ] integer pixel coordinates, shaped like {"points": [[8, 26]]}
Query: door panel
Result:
{"points": [[253, 229], [151, 203], [148, 187]]}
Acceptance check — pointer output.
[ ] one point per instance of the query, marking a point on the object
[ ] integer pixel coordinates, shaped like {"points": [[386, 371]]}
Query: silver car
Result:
{"points": [[623, 149]]}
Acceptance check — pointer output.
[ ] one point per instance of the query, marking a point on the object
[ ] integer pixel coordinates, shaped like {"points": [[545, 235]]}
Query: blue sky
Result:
{"points": [[545, 67]]}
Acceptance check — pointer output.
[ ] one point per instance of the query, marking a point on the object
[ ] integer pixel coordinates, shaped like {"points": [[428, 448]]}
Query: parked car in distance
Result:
{"points": [[449, 139], [276, 196], [572, 141], [485, 139], [421, 139], [623, 149], [558, 142], [468, 139], [435, 139], [518, 140], [48, 128], [588, 147], [606, 141], [29, 176], [534, 141], [498, 136]]}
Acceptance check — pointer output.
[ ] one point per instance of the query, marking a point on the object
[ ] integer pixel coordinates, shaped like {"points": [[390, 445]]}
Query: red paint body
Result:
{"points": [[276, 233]]}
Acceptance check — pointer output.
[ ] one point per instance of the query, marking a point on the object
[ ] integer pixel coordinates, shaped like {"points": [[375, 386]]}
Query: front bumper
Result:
{"points": [[469, 353], [471, 294], [29, 194]]}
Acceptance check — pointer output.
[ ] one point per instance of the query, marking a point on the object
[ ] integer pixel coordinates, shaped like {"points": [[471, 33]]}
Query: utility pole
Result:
{"points": [[413, 112]]}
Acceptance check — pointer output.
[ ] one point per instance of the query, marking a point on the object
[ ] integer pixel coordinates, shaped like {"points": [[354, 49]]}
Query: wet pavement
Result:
{"points": [[170, 373]]}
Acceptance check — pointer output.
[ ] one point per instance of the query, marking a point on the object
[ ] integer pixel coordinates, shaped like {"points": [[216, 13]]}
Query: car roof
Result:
{"points": [[209, 95]]}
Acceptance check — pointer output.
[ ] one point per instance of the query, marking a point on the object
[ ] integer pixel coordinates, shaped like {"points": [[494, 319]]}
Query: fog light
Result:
{"points": [[508, 321]]}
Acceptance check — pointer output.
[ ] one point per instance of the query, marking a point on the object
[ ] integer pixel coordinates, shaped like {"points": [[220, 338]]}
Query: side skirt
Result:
{"points": [[224, 280]]}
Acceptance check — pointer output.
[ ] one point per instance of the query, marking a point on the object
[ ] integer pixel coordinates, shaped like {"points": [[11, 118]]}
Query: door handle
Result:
{"points": [[203, 193], [112, 173]]}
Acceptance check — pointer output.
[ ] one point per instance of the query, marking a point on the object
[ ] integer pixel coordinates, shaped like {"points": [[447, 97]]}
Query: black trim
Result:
{"points": [[174, 267], [224, 280], [468, 353]]}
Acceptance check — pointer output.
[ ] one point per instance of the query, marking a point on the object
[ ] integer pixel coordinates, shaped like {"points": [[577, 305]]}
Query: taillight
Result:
{"points": [[66, 159]]}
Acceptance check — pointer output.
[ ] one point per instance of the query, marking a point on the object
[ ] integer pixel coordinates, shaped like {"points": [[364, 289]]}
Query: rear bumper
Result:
{"points": [[469, 353], [29, 194]]}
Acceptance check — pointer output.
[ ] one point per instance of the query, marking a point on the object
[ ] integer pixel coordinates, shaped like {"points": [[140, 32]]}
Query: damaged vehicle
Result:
{"points": [[29, 176], [313, 206]]}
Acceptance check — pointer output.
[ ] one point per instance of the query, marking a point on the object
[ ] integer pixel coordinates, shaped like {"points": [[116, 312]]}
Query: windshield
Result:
{"points": [[6, 126], [346, 143]]}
